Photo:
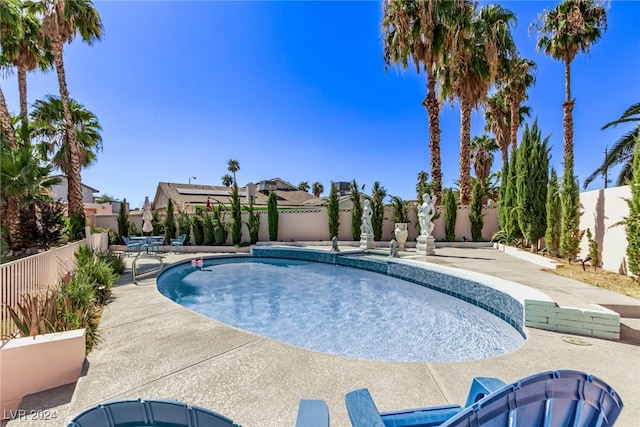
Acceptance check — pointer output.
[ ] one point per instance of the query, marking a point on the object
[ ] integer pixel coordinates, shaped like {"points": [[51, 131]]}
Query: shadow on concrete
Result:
{"points": [[462, 257], [628, 335], [628, 311]]}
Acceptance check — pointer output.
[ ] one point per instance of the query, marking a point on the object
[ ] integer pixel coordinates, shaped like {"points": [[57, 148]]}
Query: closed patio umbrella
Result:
{"points": [[146, 217]]}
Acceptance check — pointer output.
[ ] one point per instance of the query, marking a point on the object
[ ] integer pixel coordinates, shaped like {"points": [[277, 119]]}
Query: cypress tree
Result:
{"points": [[253, 223], [198, 230], [570, 197], [170, 222], [532, 168], [632, 221], [475, 212], [378, 193], [356, 212], [272, 216], [510, 199], [451, 212], [554, 215], [333, 211], [123, 220], [236, 216], [503, 213]]}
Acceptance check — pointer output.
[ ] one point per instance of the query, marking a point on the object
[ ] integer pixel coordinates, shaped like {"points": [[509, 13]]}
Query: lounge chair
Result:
{"points": [[152, 412], [131, 246], [550, 399], [179, 242], [312, 413]]}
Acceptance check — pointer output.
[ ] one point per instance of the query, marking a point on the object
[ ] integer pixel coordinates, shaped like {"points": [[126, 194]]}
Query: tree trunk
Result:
{"points": [[567, 108], [22, 89], [433, 111], [504, 149], [74, 180], [514, 107], [5, 122], [465, 151], [12, 222]]}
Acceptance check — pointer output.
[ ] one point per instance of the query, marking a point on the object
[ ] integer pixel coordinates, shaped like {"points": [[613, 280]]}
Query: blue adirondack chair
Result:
{"points": [[151, 412], [550, 399], [312, 413], [179, 242]]}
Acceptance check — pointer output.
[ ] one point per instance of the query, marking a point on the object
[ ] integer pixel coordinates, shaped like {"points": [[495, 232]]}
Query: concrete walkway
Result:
{"points": [[153, 347]]}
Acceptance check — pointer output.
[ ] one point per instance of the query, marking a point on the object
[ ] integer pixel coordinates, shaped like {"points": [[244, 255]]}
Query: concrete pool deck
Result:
{"points": [[152, 347]]}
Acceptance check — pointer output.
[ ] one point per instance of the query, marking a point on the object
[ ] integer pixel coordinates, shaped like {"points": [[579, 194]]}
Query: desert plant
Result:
{"points": [[378, 194], [80, 290], [356, 211], [113, 260], [400, 210], [220, 227], [451, 212], [632, 221], [84, 255], [532, 168], [36, 314], [123, 221], [184, 226], [475, 211], [170, 222], [333, 211], [272, 216], [236, 216], [554, 215], [253, 223]]}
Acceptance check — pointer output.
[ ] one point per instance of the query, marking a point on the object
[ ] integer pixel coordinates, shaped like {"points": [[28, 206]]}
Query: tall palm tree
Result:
{"points": [[227, 180], [623, 150], [482, 148], [317, 188], [50, 127], [572, 26], [519, 77], [478, 46], [10, 24], [496, 116], [233, 166], [25, 49], [62, 21], [303, 186], [416, 30]]}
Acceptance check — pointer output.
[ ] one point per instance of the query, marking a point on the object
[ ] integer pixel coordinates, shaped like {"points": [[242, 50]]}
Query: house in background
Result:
{"points": [[60, 192], [186, 197]]}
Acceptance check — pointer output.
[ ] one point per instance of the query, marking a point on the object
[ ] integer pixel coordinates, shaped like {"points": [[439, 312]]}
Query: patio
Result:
{"points": [[155, 348]]}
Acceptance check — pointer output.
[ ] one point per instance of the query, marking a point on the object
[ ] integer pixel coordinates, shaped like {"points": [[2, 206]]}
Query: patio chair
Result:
{"points": [[312, 413], [154, 243], [149, 412], [131, 246], [557, 398], [179, 242]]}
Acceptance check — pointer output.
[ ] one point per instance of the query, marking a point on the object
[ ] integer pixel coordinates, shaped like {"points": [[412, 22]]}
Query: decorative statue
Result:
{"points": [[426, 211], [393, 249], [334, 244], [366, 227]]}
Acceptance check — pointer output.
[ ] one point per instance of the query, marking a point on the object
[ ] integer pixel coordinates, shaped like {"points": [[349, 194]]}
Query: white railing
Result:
{"points": [[32, 274]]}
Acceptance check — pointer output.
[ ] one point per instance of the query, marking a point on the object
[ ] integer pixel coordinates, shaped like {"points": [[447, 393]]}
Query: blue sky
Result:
{"points": [[298, 90]]}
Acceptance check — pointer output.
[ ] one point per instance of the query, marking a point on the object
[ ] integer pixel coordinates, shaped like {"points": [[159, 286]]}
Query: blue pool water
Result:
{"points": [[339, 310]]}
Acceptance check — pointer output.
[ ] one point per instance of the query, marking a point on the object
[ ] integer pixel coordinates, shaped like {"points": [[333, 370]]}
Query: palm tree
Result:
{"points": [[572, 26], [479, 45], [10, 24], [317, 189], [496, 116], [303, 186], [482, 148], [623, 150], [233, 167], [51, 129], [417, 30], [25, 49], [62, 21], [519, 76], [227, 180]]}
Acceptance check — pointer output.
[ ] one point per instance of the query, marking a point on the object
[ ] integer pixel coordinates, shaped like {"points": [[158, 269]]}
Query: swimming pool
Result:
{"points": [[339, 310]]}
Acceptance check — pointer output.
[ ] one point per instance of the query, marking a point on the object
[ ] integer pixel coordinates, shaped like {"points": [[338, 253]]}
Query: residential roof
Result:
{"points": [[184, 195]]}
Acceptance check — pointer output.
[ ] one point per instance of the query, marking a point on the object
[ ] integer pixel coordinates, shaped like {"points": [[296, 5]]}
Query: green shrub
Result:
{"points": [[272, 216], [400, 210], [378, 194], [156, 223], [84, 255], [113, 260], [554, 215], [81, 290], [451, 212], [208, 228], [236, 216], [475, 212], [170, 222], [220, 227], [198, 229], [632, 221], [253, 223], [594, 250], [333, 211], [184, 226]]}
